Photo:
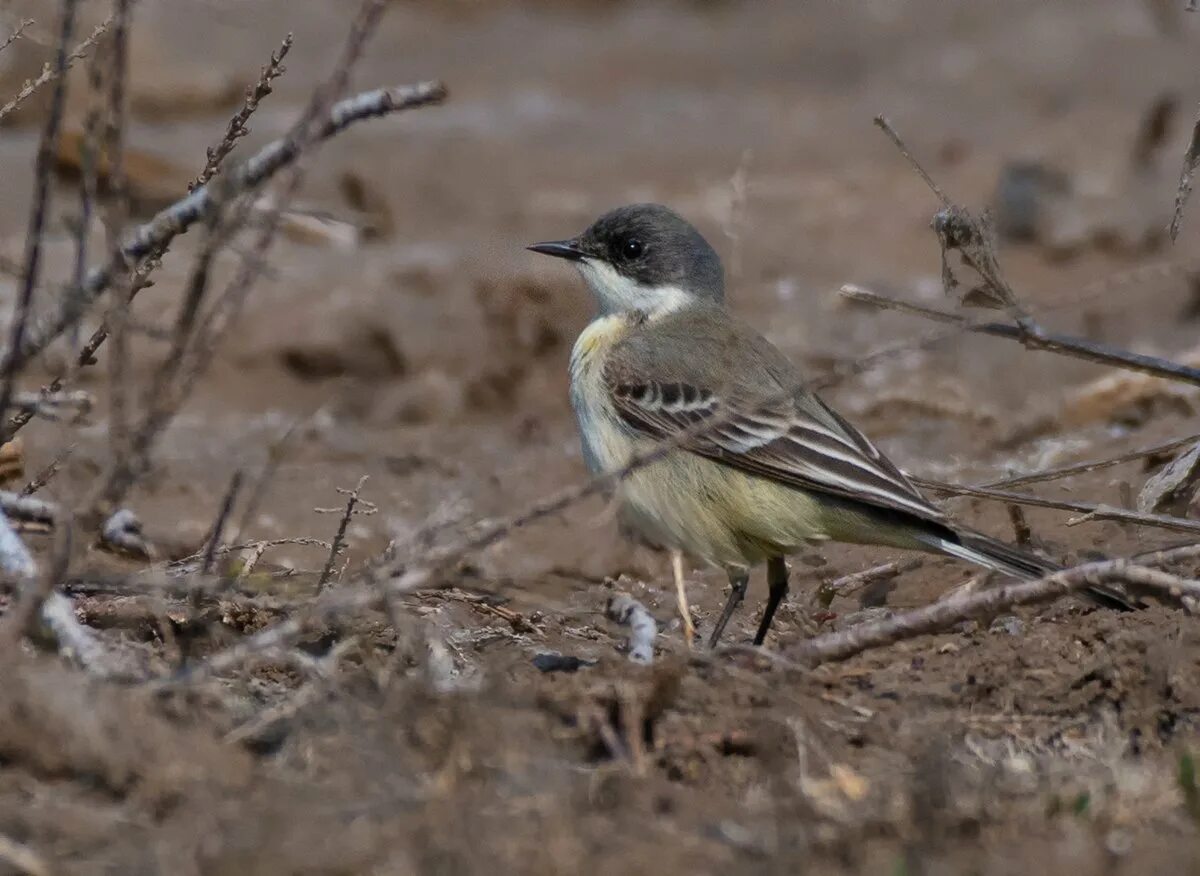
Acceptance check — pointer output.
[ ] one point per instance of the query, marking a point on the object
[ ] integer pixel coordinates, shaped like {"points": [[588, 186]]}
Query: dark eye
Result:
{"points": [[631, 248]]}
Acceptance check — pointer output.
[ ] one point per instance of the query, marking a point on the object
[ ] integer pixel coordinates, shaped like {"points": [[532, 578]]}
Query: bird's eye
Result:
{"points": [[632, 248]]}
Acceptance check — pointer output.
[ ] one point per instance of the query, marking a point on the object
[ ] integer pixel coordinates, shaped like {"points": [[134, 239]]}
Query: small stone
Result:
{"points": [[1010, 624]]}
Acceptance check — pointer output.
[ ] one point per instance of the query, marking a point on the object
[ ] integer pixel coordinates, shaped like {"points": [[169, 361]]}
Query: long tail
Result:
{"points": [[982, 550]]}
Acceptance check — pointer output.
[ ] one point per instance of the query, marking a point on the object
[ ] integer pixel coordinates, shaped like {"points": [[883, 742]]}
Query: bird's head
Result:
{"points": [[643, 257]]}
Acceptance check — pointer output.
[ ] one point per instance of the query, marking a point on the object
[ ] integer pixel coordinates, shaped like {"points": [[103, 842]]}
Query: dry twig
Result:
{"points": [[49, 73], [16, 33], [1034, 337], [339, 539], [1091, 511], [174, 220], [1191, 160], [217, 530], [142, 276], [44, 476], [1088, 467], [943, 615], [239, 125], [847, 584], [43, 167]]}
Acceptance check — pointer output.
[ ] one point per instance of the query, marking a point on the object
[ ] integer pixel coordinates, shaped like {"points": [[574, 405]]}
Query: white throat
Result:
{"points": [[616, 293]]}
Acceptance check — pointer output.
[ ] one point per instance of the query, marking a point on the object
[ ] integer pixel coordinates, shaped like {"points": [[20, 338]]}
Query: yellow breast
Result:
{"points": [[606, 444]]}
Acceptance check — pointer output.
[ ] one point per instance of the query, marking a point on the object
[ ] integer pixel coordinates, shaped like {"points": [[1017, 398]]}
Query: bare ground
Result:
{"points": [[433, 360]]}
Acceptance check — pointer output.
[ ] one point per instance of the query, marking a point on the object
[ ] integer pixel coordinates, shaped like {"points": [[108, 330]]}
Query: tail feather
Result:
{"points": [[992, 554]]}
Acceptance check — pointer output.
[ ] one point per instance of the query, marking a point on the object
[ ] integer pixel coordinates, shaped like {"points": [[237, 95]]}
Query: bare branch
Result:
{"points": [[1088, 467], [218, 527], [958, 230], [847, 584], [943, 615], [50, 73], [1191, 160], [339, 539], [16, 33], [1035, 337], [177, 218], [43, 166], [44, 476], [238, 125], [1089, 510], [141, 278]]}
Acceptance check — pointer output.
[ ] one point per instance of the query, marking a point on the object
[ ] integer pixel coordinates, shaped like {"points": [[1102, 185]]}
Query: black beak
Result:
{"points": [[562, 249]]}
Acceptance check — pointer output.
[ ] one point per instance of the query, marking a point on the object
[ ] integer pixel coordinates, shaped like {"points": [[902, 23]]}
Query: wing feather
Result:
{"points": [[795, 440]]}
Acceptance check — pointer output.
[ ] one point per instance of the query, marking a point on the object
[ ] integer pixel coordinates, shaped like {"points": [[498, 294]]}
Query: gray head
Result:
{"points": [[643, 257]]}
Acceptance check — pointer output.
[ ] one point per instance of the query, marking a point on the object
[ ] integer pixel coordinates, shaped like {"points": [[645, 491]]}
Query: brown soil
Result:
{"points": [[432, 359]]}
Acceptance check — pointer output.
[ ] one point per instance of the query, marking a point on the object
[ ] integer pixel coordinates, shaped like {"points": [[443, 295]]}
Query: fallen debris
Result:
{"points": [[627, 611], [1173, 489]]}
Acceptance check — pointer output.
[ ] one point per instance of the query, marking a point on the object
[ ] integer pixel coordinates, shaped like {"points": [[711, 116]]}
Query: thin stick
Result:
{"points": [[1034, 337], [942, 615], [218, 527], [116, 216], [847, 584], [50, 73], [681, 600], [275, 456], [239, 125], [1088, 467], [1090, 510], [884, 125], [43, 166], [16, 34], [339, 540], [216, 155], [177, 218], [44, 476], [1191, 160]]}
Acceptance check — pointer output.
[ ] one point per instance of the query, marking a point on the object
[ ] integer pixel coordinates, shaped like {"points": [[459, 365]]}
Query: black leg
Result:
{"points": [[777, 588], [738, 581]]}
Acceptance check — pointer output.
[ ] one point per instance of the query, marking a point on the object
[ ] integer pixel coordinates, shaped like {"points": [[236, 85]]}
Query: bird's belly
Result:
{"points": [[717, 514], [710, 511]]}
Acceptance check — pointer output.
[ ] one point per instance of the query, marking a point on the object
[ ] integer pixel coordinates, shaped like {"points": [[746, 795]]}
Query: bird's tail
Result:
{"points": [[982, 550]]}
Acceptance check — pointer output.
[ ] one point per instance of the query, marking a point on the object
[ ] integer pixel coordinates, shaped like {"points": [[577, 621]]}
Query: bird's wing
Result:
{"points": [[727, 394]]}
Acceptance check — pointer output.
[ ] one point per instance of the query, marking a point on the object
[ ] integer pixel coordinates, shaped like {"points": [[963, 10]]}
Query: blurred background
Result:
{"points": [[404, 320], [403, 332]]}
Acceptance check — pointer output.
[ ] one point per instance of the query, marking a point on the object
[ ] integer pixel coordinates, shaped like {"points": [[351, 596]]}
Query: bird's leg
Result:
{"points": [[685, 612], [777, 584], [738, 581]]}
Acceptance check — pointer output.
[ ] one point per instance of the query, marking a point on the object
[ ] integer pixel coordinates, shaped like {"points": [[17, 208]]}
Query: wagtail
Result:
{"points": [[778, 470]]}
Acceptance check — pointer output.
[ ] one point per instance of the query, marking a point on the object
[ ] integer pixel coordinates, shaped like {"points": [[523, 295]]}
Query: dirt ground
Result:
{"points": [[431, 357]]}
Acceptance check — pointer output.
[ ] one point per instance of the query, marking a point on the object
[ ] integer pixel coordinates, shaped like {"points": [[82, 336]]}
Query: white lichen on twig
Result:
{"points": [[627, 611]]}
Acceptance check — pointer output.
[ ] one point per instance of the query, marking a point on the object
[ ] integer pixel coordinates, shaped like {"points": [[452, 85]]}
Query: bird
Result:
{"points": [[757, 466]]}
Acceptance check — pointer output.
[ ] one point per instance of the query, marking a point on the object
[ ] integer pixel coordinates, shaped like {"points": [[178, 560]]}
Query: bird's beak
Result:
{"points": [[562, 249]]}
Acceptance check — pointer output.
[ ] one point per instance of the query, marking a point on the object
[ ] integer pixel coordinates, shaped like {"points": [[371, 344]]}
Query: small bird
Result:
{"points": [[778, 469]]}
